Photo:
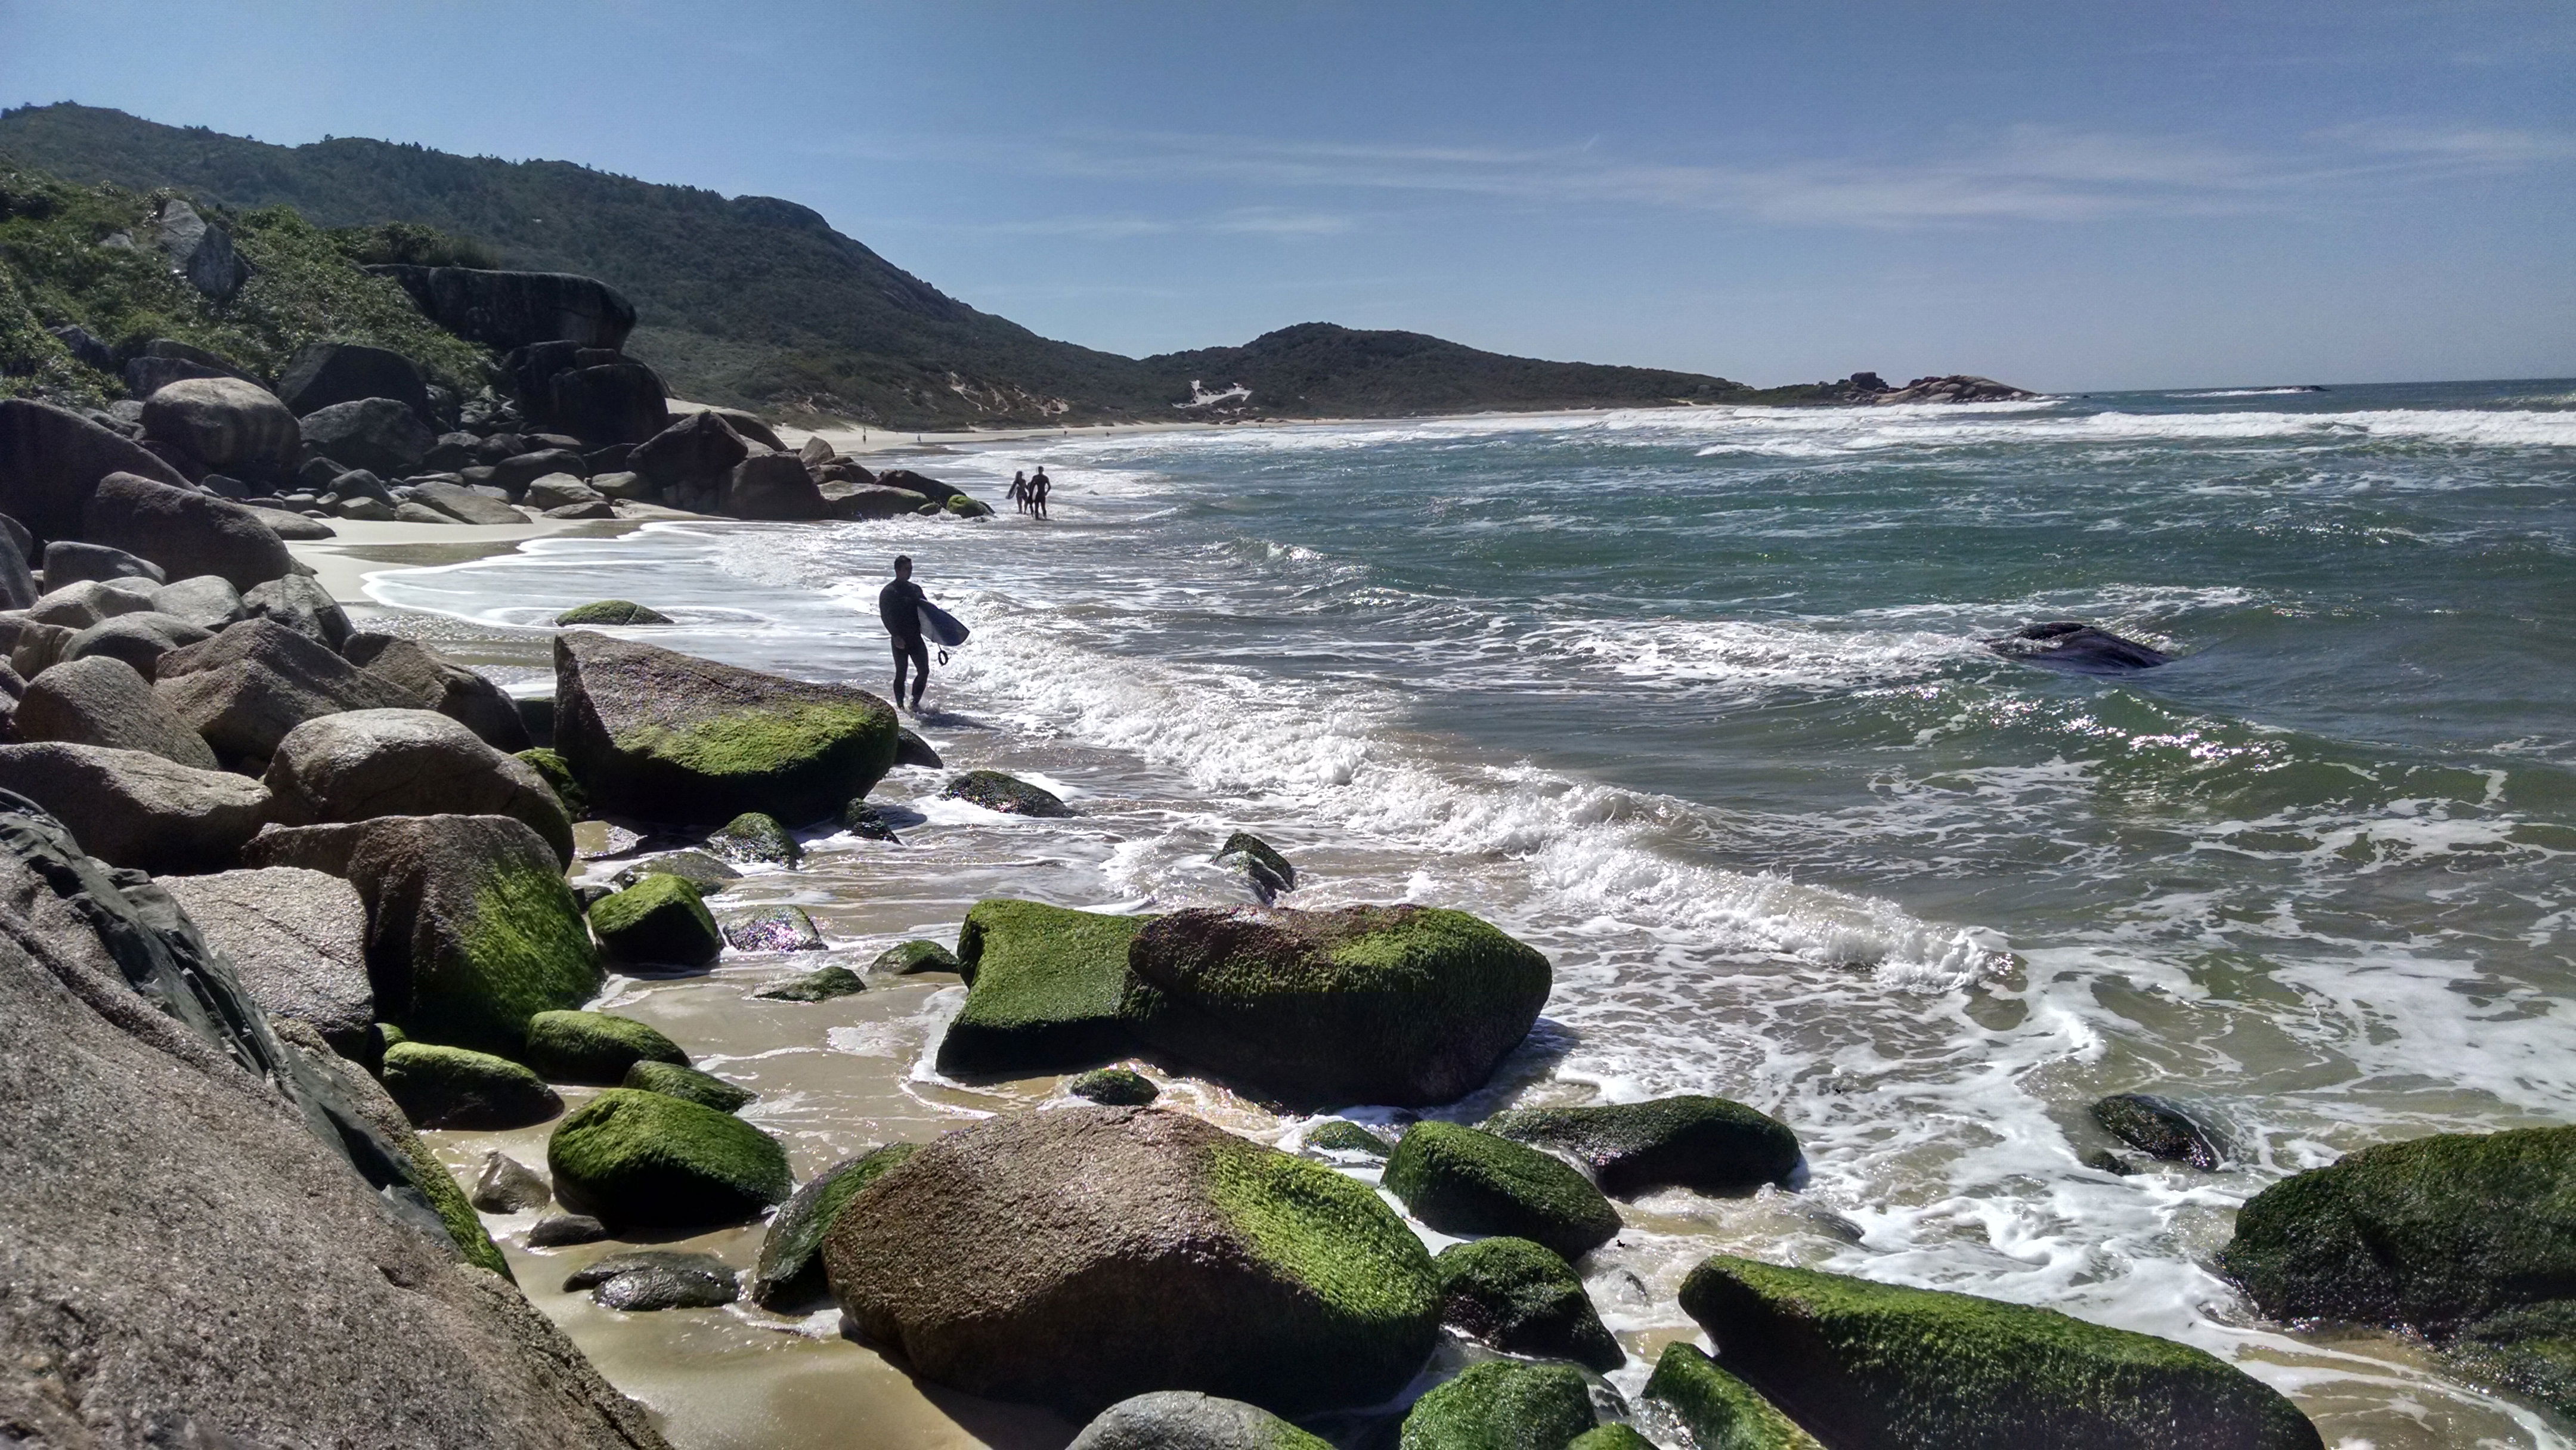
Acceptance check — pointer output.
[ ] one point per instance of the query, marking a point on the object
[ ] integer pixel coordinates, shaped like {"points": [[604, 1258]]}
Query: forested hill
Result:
{"points": [[758, 302]]}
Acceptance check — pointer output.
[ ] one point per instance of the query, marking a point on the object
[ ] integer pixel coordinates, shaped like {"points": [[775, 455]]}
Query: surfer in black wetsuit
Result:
{"points": [[899, 605], [1038, 485]]}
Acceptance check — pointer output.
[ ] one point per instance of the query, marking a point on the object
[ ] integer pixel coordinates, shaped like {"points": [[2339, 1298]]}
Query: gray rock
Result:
{"points": [[363, 509], [442, 684], [696, 451], [506, 1185], [224, 422], [514, 474], [50, 460], [1188, 1420], [105, 701], [819, 985], [185, 532], [324, 373], [556, 1230], [247, 687], [297, 939], [208, 601], [2160, 1128], [361, 764], [378, 434], [1008, 794], [752, 427], [706, 872], [86, 349], [789, 1275], [771, 929], [137, 639], [619, 402], [464, 505], [71, 561], [33, 646], [136, 809], [302, 605], [633, 487], [407, 512], [911, 749], [293, 527], [359, 483], [657, 1279], [870, 501], [1264, 869], [506, 310], [815, 452], [771, 486], [200, 250], [559, 490], [78, 606]]}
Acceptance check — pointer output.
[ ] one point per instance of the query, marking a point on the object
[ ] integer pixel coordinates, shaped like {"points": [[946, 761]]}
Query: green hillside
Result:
{"points": [[757, 302]]}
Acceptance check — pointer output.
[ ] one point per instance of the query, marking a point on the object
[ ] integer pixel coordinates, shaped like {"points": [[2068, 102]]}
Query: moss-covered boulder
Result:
{"points": [[644, 1160], [1502, 1405], [697, 868], [1406, 1005], [2530, 1350], [1077, 1256], [820, 985], [551, 768], [1522, 1298], [1341, 1135], [1008, 794], [906, 958], [453, 1087], [770, 929], [790, 1273], [610, 612], [1046, 988], [1116, 1087], [663, 736], [1462, 1181], [658, 921], [1712, 1144], [1615, 1436], [1264, 869], [594, 1047], [2160, 1128], [2428, 1234], [1187, 1420], [755, 837], [1859, 1363], [1720, 1411], [689, 1085]]}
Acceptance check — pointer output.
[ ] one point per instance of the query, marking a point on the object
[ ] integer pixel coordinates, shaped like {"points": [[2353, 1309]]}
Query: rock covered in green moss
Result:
{"points": [[790, 1272], [551, 768], [594, 1047], [2429, 1233], [1264, 869], [1462, 1181], [697, 868], [1720, 1411], [652, 1279], [1341, 1135], [1406, 1005], [1008, 794], [2159, 1128], [1522, 1298], [1712, 1144], [1116, 1087], [663, 736], [820, 985], [610, 612], [645, 1160], [1502, 1405], [755, 837], [1046, 985], [1077, 1256], [659, 921], [1860, 1363], [2529, 1350], [689, 1085], [1188, 1420], [868, 823], [770, 929], [1615, 1436], [906, 958], [452, 1087]]}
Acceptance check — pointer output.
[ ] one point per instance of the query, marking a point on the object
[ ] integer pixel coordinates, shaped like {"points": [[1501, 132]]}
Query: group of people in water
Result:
{"points": [[1029, 492]]}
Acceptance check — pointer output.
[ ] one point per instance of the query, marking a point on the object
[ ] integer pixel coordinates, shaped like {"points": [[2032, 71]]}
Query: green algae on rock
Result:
{"points": [[594, 1047], [1341, 1135], [1720, 1411], [552, 769], [645, 1160], [1712, 1144], [697, 868], [452, 1087], [1862, 1363], [1045, 988], [790, 1273], [1116, 1087], [906, 958], [820, 985], [1264, 868], [659, 920], [1616, 1436], [1522, 1298], [688, 1084], [1188, 1420], [610, 612], [1077, 1256], [755, 836], [1009, 794], [1502, 1405], [1463, 1181], [1404, 1005], [2530, 1351], [664, 736]]}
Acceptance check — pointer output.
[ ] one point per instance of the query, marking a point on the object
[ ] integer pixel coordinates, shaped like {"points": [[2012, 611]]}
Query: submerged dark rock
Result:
{"points": [[2077, 648], [2159, 1129], [652, 1279]]}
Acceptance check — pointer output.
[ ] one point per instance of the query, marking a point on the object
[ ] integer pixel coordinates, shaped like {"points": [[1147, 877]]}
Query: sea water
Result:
{"points": [[1697, 701]]}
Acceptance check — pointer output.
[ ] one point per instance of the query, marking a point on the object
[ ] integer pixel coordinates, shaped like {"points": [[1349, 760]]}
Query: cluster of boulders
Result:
{"points": [[1952, 388]]}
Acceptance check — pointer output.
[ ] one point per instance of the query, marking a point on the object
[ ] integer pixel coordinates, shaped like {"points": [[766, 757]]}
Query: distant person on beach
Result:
{"points": [[1020, 491], [899, 605], [1038, 492]]}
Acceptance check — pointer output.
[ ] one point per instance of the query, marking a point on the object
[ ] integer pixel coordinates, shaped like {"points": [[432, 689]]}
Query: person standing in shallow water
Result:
{"points": [[1038, 492], [1020, 491], [899, 605]]}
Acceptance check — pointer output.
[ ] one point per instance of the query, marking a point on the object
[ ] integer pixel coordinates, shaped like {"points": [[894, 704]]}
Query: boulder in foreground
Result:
{"points": [[1462, 1181], [298, 940], [1712, 1144], [1188, 1420], [790, 1272], [1501, 1405], [132, 809], [642, 1160], [185, 532], [1522, 1299], [1079, 1256], [1719, 1409], [1045, 989]]}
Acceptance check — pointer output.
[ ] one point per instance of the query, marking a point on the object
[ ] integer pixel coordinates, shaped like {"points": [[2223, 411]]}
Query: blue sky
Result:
{"points": [[2085, 196]]}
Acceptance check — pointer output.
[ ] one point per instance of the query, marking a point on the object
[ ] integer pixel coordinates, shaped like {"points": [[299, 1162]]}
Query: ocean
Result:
{"points": [[1697, 702]]}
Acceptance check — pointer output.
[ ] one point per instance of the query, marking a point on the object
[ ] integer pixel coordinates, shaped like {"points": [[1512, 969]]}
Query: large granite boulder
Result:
{"points": [[199, 250], [454, 690], [380, 435], [471, 930], [644, 1160], [1462, 1181], [699, 450], [52, 458], [771, 486], [1078, 1256], [225, 423], [789, 1276], [870, 501], [361, 764], [302, 605], [208, 601], [135, 809], [1711, 1144], [185, 532], [507, 310], [668, 737], [1046, 988], [77, 606], [658, 921], [297, 939], [464, 505], [1402, 1005], [248, 686], [1188, 1420], [136, 640], [323, 373], [72, 561], [102, 701], [1861, 1363], [619, 402]]}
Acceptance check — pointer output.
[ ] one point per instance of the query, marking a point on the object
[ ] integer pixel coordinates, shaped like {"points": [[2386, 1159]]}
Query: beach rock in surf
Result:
{"points": [[101, 701], [1187, 1420], [136, 809], [323, 373], [381, 435], [1861, 1363], [663, 736], [51, 460], [1264, 869], [506, 1185], [1522, 1299], [905, 958], [1717, 1408], [1501, 1405], [755, 837], [137, 640], [771, 486], [247, 687], [611, 612], [868, 823], [870, 500], [1711, 1144], [771, 929], [1077, 1256], [697, 451], [1008, 794], [652, 1279], [659, 920], [362, 764], [789, 1276], [644, 1160], [438, 683], [298, 942], [509, 310], [2078, 648], [1461, 1181], [594, 1047], [224, 423], [697, 868], [1340, 1135], [1404, 1005], [208, 601], [911, 749], [558, 1230], [2159, 1129], [820, 985], [1046, 988], [453, 1087], [471, 930], [1115, 1087], [74, 561], [689, 1085], [301, 605]]}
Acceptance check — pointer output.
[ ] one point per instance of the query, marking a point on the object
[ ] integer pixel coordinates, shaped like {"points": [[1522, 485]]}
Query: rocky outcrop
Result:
{"points": [[247, 687], [1079, 1256], [1187, 1420], [101, 701], [359, 765], [224, 423], [377, 434], [51, 459], [454, 690], [185, 532], [1522, 1299], [1461, 1181], [1954, 388], [789, 1276], [1711, 1144], [642, 1160], [199, 250], [297, 939], [507, 310], [322, 374], [664, 736], [138, 810], [1046, 989]]}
